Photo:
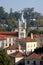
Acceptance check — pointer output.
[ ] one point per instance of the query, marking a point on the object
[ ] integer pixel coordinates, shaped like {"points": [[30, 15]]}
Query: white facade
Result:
{"points": [[34, 59], [17, 59], [30, 46], [2, 42], [9, 41], [11, 51], [33, 62]]}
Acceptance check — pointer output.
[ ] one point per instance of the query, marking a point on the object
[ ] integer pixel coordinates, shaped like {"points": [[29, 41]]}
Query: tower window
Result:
{"points": [[22, 33], [21, 29]]}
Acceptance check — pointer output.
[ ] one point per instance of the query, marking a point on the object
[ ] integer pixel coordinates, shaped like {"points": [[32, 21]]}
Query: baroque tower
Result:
{"points": [[22, 27]]}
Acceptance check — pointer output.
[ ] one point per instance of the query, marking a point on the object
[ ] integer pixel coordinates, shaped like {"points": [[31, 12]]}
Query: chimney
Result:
{"points": [[31, 35]]}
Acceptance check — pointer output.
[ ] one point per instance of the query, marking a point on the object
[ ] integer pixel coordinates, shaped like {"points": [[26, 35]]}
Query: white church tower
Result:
{"points": [[22, 27]]}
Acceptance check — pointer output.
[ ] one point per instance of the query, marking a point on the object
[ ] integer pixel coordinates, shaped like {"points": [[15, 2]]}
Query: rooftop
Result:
{"points": [[17, 54], [34, 56], [38, 35], [13, 47], [9, 33], [28, 39]]}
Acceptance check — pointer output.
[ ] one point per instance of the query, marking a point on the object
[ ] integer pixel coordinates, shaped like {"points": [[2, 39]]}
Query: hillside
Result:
{"points": [[9, 21]]}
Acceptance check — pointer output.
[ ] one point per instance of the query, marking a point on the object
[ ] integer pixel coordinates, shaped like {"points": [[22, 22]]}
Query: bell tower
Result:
{"points": [[22, 27]]}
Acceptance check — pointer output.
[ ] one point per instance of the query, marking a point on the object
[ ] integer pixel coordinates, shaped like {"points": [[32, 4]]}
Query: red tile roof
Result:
{"points": [[22, 47], [17, 54], [2, 37], [28, 39], [34, 56], [13, 47], [9, 33], [38, 36]]}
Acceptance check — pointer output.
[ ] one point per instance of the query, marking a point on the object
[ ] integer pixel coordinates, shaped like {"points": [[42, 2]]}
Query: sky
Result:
{"points": [[20, 4]]}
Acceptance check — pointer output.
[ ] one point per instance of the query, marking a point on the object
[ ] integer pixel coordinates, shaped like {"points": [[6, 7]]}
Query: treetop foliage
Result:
{"points": [[4, 58], [9, 21], [38, 50]]}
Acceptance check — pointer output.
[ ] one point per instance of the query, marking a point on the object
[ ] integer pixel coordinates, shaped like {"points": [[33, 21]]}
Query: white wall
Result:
{"points": [[9, 40], [30, 46], [31, 62], [11, 51], [1, 43], [17, 59]]}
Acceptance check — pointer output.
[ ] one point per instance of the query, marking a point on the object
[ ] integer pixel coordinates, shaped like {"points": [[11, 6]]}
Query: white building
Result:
{"points": [[17, 58], [34, 59], [2, 41], [7, 39], [29, 44], [12, 49]]}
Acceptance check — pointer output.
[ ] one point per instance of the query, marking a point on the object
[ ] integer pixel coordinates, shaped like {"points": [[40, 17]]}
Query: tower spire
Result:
{"points": [[22, 17], [22, 27]]}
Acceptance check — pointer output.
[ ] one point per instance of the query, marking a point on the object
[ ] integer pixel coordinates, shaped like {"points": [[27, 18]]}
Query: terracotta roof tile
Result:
{"points": [[9, 33], [28, 39], [34, 56], [2, 37], [17, 54], [13, 47], [38, 36]]}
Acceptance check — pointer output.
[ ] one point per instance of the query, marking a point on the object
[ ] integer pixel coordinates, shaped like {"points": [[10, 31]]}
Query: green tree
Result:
{"points": [[38, 50], [2, 12], [4, 58]]}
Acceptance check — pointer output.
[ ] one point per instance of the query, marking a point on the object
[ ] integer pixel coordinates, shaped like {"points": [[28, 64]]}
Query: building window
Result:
{"points": [[13, 40], [41, 40], [9, 39], [34, 62], [40, 62], [6, 44], [28, 46], [42, 58], [21, 29], [9, 44], [31, 50], [10, 50], [34, 45], [13, 43], [28, 62], [31, 45]]}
